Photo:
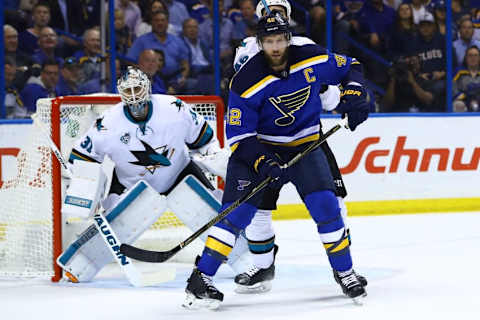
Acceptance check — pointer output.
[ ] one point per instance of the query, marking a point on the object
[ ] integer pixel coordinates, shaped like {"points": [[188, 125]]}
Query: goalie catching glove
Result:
{"points": [[212, 158], [354, 104]]}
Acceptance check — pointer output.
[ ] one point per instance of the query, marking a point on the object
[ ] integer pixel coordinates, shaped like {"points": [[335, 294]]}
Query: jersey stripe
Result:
{"points": [[203, 138], [308, 62], [258, 86], [313, 137], [75, 155]]}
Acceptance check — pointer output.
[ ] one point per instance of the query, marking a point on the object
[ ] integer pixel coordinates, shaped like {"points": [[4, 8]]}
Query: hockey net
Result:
{"points": [[31, 223]]}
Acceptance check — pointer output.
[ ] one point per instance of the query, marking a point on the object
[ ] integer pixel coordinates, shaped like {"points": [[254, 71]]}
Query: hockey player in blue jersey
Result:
{"points": [[273, 113]]}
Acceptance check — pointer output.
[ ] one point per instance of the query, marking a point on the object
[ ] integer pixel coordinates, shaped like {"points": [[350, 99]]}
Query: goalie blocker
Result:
{"points": [[134, 212]]}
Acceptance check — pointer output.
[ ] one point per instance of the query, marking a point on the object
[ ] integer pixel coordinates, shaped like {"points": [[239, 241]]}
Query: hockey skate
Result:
{"points": [[256, 280], [201, 293], [362, 279], [350, 284]]}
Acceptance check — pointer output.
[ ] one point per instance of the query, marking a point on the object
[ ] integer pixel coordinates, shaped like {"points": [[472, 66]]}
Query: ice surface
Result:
{"points": [[418, 267]]}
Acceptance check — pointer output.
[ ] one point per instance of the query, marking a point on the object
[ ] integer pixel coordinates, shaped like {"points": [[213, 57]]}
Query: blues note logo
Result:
{"points": [[242, 184]]}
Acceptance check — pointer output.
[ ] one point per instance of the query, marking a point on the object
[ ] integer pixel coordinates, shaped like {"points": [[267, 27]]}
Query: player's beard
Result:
{"points": [[276, 60]]}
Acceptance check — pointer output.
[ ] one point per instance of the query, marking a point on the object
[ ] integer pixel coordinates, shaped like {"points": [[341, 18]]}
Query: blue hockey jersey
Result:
{"points": [[284, 109]]}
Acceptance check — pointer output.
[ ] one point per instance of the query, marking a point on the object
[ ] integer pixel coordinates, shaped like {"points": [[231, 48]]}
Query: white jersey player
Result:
{"points": [[257, 279], [148, 137]]}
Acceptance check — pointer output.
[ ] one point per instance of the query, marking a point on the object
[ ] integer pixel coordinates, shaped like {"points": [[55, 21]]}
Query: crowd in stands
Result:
{"points": [[53, 47]]}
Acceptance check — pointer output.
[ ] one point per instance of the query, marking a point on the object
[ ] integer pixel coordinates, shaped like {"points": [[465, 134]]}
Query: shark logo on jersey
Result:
{"points": [[99, 125], [125, 138], [288, 104], [151, 159], [242, 184], [178, 103]]}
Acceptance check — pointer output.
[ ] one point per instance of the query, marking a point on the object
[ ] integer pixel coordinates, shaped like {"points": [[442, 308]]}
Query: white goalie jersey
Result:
{"points": [[249, 47], [154, 150]]}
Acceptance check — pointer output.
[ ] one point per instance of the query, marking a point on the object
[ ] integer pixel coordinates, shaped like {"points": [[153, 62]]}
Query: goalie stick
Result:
{"points": [[162, 256], [135, 277]]}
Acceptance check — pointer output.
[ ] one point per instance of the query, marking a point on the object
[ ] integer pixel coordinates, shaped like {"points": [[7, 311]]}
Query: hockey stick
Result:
{"points": [[162, 256], [135, 277]]}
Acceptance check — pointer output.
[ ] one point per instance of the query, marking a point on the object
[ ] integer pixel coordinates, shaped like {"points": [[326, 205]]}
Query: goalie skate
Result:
{"points": [[201, 293], [350, 285], [256, 280]]}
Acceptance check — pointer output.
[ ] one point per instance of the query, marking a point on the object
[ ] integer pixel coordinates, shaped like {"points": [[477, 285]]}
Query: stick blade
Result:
{"points": [[145, 255]]}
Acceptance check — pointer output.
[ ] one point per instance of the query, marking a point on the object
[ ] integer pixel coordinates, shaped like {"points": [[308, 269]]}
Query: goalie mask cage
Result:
{"points": [[30, 203]]}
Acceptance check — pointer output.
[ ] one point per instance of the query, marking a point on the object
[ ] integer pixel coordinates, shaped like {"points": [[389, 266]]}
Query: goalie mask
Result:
{"points": [[135, 89]]}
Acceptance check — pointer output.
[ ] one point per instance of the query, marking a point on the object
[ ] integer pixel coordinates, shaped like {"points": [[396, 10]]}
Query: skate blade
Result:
{"points": [[256, 288], [193, 303], [359, 301]]}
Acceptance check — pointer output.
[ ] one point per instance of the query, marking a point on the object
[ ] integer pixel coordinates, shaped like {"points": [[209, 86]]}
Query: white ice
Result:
{"points": [[418, 267]]}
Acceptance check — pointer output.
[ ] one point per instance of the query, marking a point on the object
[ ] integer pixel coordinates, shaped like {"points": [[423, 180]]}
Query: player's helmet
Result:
{"points": [[281, 3], [273, 23], [135, 89]]}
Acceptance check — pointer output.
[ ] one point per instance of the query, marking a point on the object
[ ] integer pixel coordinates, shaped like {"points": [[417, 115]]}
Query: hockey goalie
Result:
{"points": [[149, 138]]}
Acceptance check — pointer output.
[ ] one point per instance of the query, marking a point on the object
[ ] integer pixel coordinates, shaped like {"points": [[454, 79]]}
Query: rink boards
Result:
{"points": [[390, 164]]}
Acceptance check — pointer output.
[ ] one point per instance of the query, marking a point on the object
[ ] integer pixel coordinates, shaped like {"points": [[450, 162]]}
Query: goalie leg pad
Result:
{"points": [[86, 189], [137, 210], [195, 205]]}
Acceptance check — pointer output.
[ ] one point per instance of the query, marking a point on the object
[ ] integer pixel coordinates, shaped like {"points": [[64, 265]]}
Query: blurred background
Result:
{"points": [[419, 55]]}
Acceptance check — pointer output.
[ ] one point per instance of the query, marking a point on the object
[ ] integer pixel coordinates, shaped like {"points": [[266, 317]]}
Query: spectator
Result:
{"points": [[376, 22], [146, 25], [149, 63], [465, 40], [318, 16], [226, 35], [131, 12], [247, 8], [430, 47], [198, 10], [161, 65], [403, 33], [176, 52], [201, 79], [62, 13], [466, 83], [406, 90], [86, 15], [89, 57], [13, 102], [69, 77], [476, 24], [439, 12], [347, 24], [123, 38], [29, 38], [22, 61], [177, 14], [458, 11], [41, 87], [47, 45], [95, 85], [418, 10]]}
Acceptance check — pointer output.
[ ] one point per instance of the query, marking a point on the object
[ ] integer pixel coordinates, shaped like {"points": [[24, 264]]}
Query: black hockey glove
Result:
{"points": [[262, 161], [267, 166], [353, 103]]}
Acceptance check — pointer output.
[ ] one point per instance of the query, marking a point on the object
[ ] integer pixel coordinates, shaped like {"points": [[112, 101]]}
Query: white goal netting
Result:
{"points": [[30, 218]]}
